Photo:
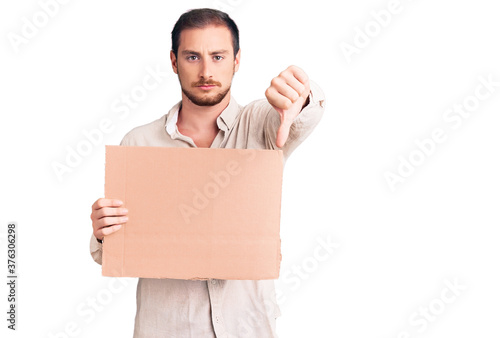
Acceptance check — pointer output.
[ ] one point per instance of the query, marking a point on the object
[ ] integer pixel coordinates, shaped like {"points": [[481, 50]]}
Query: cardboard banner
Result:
{"points": [[195, 213]]}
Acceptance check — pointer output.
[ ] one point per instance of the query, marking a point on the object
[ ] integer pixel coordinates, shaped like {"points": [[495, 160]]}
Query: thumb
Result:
{"points": [[287, 116], [283, 131]]}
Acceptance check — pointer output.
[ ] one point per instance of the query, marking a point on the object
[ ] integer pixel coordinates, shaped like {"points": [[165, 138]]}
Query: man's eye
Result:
{"points": [[192, 58], [218, 58]]}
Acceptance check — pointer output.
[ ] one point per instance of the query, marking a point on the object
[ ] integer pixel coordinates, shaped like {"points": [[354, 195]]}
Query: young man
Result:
{"points": [[205, 55]]}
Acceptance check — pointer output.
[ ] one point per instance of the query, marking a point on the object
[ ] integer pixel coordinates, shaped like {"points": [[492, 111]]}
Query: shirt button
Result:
{"points": [[214, 282]]}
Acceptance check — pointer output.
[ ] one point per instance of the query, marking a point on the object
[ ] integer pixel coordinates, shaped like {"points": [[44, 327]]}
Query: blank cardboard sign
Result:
{"points": [[195, 213]]}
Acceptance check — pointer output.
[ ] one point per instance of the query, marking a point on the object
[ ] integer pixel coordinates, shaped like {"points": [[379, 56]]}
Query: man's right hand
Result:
{"points": [[107, 216]]}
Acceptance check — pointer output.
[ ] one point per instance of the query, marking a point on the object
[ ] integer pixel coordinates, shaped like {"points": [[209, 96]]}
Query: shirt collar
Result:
{"points": [[171, 123], [224, 121]]}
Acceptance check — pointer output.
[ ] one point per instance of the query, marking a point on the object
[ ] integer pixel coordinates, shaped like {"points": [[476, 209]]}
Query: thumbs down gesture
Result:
{"points": [[288, 94]]}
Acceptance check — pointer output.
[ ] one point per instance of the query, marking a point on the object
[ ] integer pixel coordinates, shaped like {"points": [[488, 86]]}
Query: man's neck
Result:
{"points": [[200, 122]]}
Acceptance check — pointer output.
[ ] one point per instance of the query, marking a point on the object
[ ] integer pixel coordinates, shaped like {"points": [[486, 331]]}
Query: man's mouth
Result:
{"points": [[206, 87]]}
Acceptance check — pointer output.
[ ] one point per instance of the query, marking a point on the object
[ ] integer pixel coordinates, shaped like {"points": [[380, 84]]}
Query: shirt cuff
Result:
{"points": [[316, 96], [95, 249], [316, 100]]}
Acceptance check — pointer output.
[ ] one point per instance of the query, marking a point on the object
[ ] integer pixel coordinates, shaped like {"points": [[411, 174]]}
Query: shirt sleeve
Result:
{"points": [[302, 126], [96, 250]]}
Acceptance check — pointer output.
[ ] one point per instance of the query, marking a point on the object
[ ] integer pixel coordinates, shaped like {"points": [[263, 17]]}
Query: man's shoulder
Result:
{"points": [[256, 109], [146, 134], [259, 104]]}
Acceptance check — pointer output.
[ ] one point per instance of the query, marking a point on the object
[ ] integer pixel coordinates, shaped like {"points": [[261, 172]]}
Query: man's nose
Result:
{"points": [[205, 70]]}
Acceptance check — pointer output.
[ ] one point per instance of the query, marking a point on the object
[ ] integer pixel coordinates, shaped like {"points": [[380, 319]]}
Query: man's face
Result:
{"points": [[205, 64]]}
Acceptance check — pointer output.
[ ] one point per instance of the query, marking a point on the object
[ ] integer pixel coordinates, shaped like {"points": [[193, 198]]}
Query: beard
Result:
{"points": [[204, 99]]}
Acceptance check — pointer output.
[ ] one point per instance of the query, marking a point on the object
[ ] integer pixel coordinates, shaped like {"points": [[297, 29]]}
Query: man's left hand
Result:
{"points": [[288, 94]]}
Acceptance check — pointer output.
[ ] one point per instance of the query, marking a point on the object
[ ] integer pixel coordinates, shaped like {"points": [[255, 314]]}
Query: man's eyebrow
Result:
{"points": [[192, 52], [222, 51], [189, 52]]}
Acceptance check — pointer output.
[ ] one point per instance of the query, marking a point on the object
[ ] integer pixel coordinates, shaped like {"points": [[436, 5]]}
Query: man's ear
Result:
{"points": [[173, 60], [237, 61]]}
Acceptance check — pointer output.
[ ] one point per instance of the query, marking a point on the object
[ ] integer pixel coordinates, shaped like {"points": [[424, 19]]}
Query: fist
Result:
{"points": [[288, 94]]}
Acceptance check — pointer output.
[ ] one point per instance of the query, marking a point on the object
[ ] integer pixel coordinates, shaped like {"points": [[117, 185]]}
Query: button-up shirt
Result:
{"points": [[215, 308]]}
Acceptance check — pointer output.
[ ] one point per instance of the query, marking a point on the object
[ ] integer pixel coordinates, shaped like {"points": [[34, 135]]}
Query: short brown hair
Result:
{"points": [[203, 17]]}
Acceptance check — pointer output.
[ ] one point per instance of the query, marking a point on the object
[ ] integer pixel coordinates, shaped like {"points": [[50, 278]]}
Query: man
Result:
{"points": [[205, 55]]}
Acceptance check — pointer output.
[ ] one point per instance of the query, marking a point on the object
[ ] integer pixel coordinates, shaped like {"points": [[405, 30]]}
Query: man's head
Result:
{"points": [[205, 55], [201, 18]]}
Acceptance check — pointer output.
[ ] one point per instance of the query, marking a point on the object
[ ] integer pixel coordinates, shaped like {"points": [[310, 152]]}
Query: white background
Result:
{"points": [[396, 248]]}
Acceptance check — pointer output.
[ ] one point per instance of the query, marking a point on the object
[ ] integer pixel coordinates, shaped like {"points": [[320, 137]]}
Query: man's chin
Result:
{"points": [[206, 101]]}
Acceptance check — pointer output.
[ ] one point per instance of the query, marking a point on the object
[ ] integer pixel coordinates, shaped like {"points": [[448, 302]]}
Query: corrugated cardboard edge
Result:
{"points": [[278, 267], [112, 253]]}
